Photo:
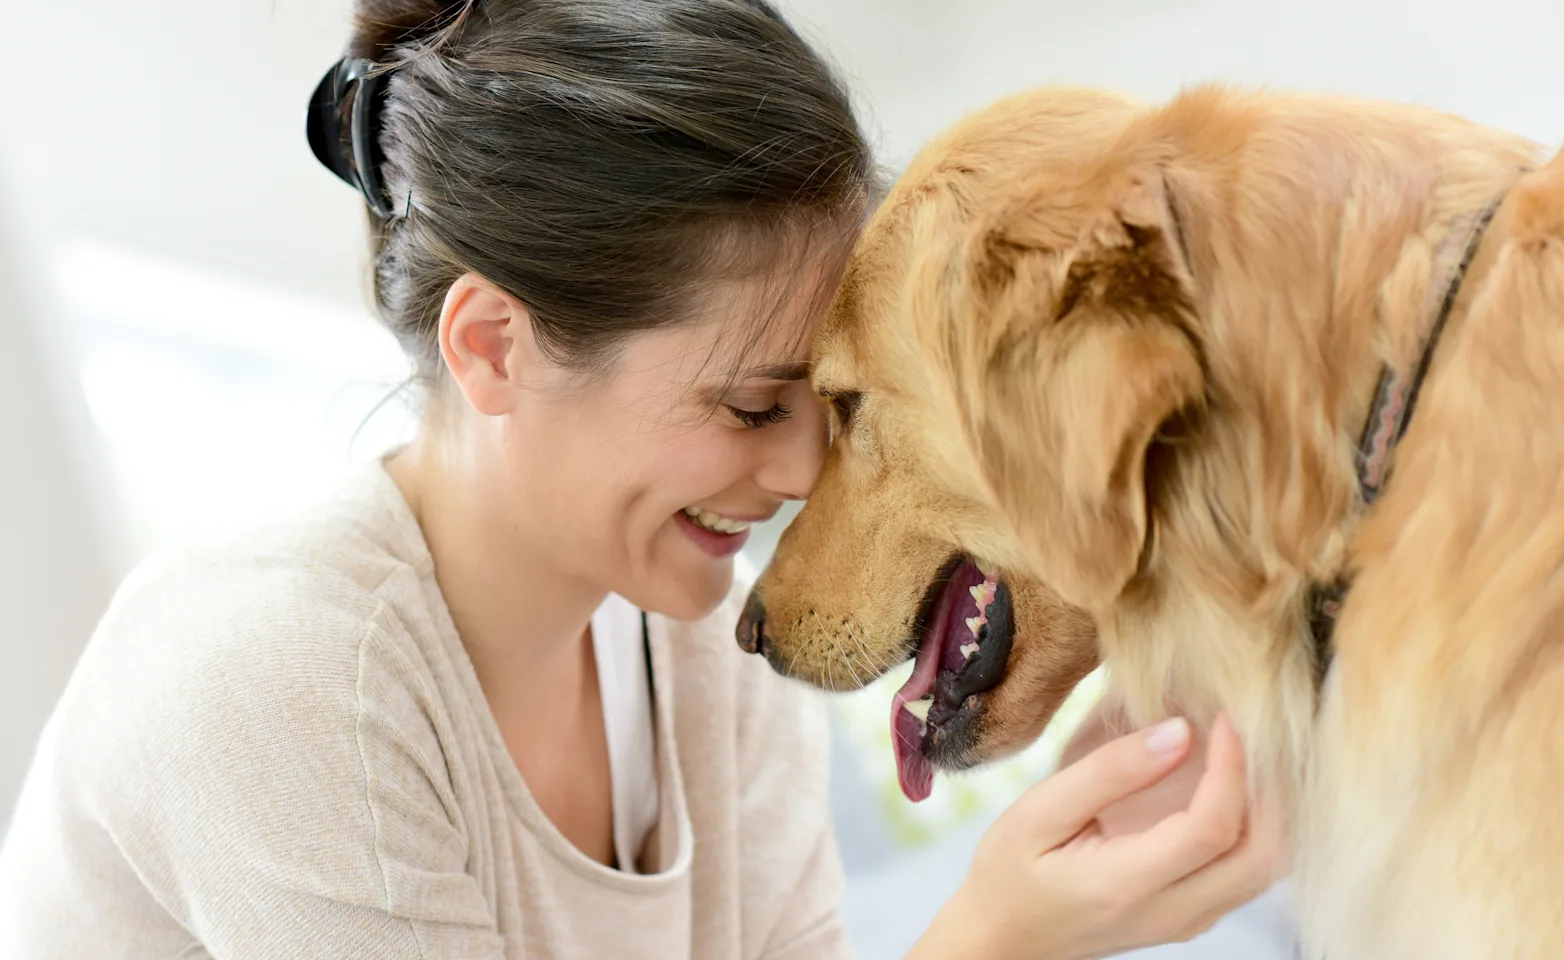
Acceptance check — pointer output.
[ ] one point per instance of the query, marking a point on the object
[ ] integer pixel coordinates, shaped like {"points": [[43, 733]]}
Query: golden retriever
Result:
{"points": [[1100, 372]]}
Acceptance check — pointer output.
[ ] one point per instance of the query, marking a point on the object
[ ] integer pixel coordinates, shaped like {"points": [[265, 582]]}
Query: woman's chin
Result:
{"points": [[686, 590]]}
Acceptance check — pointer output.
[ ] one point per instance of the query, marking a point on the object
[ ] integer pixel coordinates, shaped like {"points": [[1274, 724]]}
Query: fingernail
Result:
{"points": [[1169, 736]]}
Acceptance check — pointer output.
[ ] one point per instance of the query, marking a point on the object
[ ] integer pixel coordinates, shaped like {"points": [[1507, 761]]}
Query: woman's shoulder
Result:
{"points": [[322, 576], [263, 700], [274, 631], [344, 555]]}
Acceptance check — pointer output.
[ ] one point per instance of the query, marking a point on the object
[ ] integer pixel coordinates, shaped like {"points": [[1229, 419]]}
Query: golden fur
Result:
{"points": [[1126, 353]]}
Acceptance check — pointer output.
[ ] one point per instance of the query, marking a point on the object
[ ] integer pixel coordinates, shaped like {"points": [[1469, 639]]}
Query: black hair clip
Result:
{"points": [[323, 126]]}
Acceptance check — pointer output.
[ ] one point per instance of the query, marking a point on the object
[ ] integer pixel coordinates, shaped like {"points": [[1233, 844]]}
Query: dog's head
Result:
{"points": [[1100, 365], [1009, 339]]}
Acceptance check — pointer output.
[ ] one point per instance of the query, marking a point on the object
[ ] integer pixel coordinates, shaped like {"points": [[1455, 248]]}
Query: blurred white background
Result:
{"points": [[184, 343]]}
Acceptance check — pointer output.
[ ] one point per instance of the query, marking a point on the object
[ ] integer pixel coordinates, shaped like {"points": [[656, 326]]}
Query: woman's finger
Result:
{"points": [[1211, 826], [1232, 880], [1058, 808]]}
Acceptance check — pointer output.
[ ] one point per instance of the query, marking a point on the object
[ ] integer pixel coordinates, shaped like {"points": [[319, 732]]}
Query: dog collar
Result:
{"points": [[1395, 397]]}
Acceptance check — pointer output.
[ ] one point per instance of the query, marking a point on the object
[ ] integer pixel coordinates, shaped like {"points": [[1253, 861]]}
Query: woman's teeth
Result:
{"points": [[716, 522]]}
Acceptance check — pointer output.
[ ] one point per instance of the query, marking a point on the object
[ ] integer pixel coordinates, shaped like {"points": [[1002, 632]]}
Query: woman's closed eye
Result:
{"points": [[756, 419]]}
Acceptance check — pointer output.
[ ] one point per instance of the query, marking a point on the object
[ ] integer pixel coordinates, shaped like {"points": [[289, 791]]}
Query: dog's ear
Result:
{"points": [[1084, 351]]}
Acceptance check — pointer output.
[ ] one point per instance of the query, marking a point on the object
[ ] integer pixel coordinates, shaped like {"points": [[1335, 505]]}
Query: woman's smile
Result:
{"points": [[715, 533]]}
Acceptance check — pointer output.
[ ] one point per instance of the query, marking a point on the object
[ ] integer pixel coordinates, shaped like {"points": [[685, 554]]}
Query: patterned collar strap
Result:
{"points": [[1394, 400]]}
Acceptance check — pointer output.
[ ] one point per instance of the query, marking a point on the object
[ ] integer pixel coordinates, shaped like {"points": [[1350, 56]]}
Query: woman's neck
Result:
{"points": [[522, 621], [524, 625]]}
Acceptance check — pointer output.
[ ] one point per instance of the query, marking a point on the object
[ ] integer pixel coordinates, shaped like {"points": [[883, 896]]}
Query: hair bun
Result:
{"points": [[381, 26]]}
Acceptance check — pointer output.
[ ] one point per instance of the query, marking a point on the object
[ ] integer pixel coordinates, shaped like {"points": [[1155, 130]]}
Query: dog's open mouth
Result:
{"points": [[963, 644]]}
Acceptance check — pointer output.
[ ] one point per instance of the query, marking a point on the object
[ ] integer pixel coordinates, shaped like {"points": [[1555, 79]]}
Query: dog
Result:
{"points": [[1124, 384]]}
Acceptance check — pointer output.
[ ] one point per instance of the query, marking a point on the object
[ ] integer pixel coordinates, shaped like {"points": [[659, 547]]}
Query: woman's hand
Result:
{"points": [[1143, 808], [1110, 854]]}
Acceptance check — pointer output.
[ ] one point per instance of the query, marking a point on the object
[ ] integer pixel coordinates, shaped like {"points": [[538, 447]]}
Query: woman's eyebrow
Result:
{"points": [[796, 370]]}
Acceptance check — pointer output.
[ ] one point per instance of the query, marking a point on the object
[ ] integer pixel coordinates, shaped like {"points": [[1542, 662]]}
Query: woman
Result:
{"points": [[486, 703]]}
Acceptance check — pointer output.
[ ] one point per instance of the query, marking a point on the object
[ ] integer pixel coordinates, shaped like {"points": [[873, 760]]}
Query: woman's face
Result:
{"points": [[642, 479]]}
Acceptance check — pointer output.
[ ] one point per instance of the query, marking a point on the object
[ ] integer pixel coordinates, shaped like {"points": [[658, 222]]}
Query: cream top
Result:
{"points": [[277, 747]]}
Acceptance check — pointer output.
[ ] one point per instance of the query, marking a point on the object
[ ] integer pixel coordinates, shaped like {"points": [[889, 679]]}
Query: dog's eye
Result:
{"points": [[845, 404]]}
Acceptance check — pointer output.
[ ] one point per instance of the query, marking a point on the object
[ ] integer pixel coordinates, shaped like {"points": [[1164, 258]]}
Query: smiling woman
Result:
{"points": [[486, 694]]}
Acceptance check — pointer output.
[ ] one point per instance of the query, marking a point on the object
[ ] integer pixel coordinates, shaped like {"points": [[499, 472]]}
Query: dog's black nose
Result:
{"points": [[751, 632]]}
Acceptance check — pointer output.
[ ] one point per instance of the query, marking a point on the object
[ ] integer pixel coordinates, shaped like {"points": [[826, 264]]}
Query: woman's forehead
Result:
{"points": [[759, 327]]}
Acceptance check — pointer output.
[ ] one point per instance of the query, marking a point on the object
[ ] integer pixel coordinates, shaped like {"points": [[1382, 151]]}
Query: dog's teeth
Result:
{"points": [[919, 709], [967, 650], [973, 623], [983, 593]]}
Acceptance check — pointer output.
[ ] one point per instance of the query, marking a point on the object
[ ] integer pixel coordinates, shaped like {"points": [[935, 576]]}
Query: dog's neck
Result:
{"points": [[1304, 298], [1297, 355]]}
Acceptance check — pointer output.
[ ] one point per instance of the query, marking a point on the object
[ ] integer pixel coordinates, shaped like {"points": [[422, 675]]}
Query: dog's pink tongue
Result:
{"points": [[913, 769]]}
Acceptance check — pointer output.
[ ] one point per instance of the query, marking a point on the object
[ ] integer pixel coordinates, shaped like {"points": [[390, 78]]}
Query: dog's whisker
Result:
{"points": [[847, 661], [794, 661], [841, 653], [868, 655], [829, 672]]}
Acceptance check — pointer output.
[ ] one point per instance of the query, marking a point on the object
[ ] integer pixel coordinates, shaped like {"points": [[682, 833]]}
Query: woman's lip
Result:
{"points": [[710, 541]]}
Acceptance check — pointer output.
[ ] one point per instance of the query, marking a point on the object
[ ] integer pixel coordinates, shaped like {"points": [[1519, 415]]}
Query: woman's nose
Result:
{"points": [[793, 462]]}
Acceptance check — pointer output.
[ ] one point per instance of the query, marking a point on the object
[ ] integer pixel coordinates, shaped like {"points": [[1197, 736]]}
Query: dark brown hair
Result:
{"points": [[595, 158]]}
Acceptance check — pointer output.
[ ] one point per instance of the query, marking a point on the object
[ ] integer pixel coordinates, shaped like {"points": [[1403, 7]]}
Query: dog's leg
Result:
{"points": [[1431, 825]]}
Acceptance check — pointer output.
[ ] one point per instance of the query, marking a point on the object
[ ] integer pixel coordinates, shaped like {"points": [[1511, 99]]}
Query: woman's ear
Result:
{"points": [[487, 343]]}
